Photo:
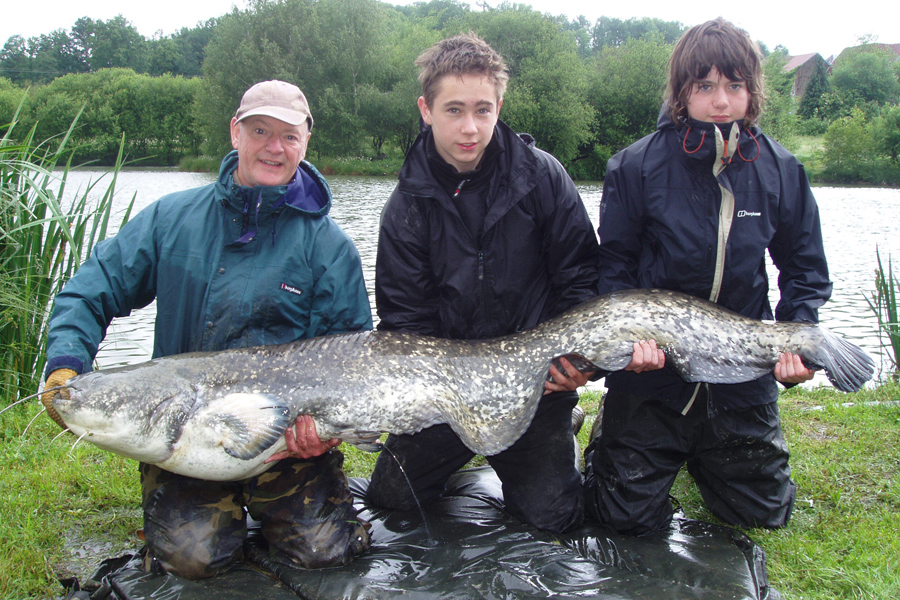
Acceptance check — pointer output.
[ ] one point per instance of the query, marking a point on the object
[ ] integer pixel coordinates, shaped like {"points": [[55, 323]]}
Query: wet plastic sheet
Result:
{"points": [[467, 547]]}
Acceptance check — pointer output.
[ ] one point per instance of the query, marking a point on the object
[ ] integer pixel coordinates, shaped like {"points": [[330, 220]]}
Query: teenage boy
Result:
{"points": [[694, 207], [483, 236]]}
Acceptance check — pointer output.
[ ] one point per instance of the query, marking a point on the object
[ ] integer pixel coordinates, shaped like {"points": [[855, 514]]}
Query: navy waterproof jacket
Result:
{"points": [[536, 257], [229, 266], [693, 210]]}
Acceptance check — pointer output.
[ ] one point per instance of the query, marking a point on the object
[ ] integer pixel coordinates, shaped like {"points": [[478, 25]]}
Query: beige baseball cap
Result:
{"points": [[278, 99]]}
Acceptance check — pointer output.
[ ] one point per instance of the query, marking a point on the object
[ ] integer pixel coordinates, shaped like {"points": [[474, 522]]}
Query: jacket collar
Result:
{"points": [[515, 164], [724, 144], [307, 193]]}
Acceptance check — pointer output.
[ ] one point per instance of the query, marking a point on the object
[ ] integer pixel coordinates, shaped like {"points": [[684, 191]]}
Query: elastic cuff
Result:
{"points": [[64, 362]]}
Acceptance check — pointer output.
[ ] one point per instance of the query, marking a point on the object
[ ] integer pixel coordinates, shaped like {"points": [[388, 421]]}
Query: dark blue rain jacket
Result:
{"points": [[229, 267]]}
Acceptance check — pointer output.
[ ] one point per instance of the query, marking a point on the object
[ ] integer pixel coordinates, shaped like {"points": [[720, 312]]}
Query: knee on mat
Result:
{"points": [[564, 513], [636, 520], [332, 550], [382, 497], [194, 567]]}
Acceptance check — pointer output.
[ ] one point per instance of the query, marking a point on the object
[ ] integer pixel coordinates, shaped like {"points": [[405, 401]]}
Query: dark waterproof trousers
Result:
{"points": [[738, 458], [541, 484], [196, 528]]}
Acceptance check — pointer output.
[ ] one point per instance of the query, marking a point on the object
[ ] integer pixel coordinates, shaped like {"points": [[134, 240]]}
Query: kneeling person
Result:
{"points": [[224, 263]]}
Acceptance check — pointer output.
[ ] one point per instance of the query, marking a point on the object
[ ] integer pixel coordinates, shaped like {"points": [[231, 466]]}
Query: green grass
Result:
{"points": [[843, 540], [63, 510]]}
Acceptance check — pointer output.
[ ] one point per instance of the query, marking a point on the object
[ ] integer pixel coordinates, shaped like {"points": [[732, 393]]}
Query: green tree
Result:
{"points": [[850, 150], [15, 63], [887, 133], [547, 94], [609, 31], [778, 118], [352, 59], [437, 15], [866, 74], [626, 89], [818, 85]]}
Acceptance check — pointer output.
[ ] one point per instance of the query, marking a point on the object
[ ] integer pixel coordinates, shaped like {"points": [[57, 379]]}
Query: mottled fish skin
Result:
{"points": [[220, 415]]}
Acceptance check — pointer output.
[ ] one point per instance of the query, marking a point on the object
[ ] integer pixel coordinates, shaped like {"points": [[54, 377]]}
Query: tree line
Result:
{"points": [[584, 90]]}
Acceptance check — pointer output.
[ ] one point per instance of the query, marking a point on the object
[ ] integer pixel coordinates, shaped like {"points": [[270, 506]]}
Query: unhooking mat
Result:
{"points": [[467, 547]]}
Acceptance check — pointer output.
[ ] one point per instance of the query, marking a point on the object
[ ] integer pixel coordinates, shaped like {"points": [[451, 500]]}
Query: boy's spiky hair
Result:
{"points": [[720, 44], [460, 55]]}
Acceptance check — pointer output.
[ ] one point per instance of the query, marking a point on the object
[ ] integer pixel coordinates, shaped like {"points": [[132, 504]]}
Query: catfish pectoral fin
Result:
{"points": [[245, 425]]}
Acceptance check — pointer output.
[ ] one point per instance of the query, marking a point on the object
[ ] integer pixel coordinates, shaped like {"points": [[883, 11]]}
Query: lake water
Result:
{"points": [[855, 221]]}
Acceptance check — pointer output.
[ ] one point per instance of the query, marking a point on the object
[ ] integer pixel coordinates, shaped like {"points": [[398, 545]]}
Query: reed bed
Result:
{"points": [[883, 303], [44, 236]]}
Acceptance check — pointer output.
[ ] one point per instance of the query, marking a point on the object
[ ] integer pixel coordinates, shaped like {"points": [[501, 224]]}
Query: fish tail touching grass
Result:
{"points": [[847, 366]]}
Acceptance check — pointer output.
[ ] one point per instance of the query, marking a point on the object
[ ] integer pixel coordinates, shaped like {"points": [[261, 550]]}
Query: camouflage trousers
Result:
{"points": [[197, 528]]}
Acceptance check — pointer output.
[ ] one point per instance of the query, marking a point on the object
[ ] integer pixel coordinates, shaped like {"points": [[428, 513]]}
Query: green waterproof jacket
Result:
{"points": [[229, 267]]}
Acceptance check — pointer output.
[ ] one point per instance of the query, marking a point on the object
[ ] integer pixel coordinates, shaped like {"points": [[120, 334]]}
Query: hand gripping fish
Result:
{"points": [[220, 415]]}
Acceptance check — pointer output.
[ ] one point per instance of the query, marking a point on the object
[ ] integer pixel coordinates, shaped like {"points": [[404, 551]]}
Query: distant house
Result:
{"points": [[804, 67], [893, 48]]}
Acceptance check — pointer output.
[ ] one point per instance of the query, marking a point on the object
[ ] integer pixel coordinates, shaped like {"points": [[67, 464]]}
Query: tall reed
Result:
{"points": [[884, 304], [43, 239]]}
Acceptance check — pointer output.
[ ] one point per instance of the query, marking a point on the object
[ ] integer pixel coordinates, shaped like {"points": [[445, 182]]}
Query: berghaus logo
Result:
{"points": [[289, 288]]}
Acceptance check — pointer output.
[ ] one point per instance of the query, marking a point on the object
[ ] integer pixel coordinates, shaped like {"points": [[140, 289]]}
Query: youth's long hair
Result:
{"points": [[720, 44]]}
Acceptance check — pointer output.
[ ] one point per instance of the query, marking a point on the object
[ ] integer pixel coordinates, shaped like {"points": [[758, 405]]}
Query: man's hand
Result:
{"points": [[646, 357], [790, 369], [303, 441], [57, 378]]}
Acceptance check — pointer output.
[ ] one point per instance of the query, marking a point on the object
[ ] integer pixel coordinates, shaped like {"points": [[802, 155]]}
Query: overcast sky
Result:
{"points": [[802, 27]]}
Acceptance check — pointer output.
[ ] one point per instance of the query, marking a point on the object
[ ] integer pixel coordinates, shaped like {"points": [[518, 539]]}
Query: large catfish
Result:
{"points": [[220, 415]]}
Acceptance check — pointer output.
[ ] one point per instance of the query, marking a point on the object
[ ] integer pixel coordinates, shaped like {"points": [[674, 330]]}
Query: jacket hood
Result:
{"points": [[516, 162], [698, 139], [307, 193]]}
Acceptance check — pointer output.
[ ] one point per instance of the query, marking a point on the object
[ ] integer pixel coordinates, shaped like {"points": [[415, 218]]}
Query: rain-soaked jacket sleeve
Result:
{"points": [[570, 243], [406, 294], [797, 249], [341, 303], [118, 277], [619, 230]]}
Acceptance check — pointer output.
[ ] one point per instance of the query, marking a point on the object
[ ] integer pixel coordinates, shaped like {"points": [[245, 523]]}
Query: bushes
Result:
{"points": [[859, 150], [154, 114]]}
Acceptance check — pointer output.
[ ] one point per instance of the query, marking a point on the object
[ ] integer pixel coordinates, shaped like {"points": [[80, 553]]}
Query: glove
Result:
{"points": [[56, 378]]}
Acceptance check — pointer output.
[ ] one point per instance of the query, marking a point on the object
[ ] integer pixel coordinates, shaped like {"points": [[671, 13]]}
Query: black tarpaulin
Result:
{"points": [[466, 547]]}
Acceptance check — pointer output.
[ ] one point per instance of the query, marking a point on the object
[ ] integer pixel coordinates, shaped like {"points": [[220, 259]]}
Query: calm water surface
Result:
{"points": [[855, 221]]}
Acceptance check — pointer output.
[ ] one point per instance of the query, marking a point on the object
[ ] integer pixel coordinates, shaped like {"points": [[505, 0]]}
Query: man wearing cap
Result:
{"points": [[251, 259]]}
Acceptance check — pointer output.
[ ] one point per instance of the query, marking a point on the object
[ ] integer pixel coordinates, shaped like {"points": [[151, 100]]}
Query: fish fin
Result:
{"points": [[368, 441], [847, 366], [694, 368], [246, 425]]}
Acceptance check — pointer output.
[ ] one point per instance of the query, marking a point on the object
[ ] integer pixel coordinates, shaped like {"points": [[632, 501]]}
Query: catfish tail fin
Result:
{"points": [[847, 365]]}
